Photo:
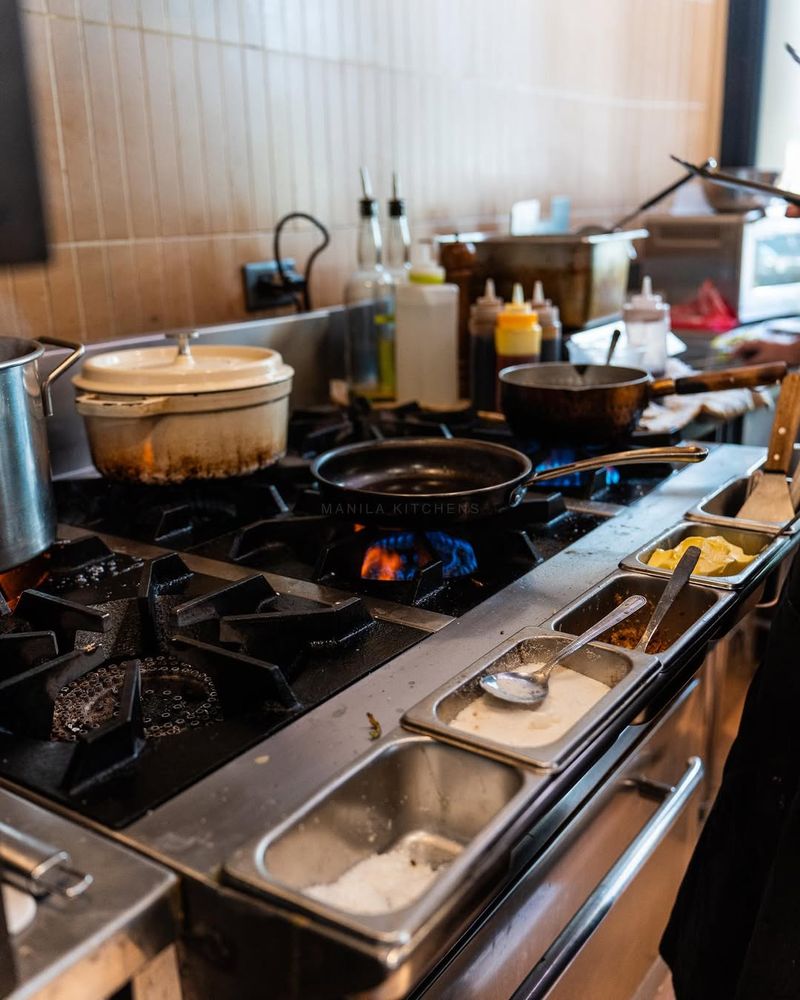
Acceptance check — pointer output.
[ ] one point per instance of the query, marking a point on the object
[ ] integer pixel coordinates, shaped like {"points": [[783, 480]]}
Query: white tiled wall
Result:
{"points": [[175, 133]]}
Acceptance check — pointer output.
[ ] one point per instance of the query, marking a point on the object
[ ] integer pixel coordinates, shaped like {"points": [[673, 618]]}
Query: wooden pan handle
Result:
{"points": [[746, 377], [784, 426]]}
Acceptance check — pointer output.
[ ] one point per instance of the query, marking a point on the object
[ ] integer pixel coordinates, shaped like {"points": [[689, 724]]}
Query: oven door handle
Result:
{"points": [[574, 936]]}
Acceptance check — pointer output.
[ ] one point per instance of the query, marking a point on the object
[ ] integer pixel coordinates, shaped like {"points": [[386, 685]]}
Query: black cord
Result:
{"points": [[312, 257]]}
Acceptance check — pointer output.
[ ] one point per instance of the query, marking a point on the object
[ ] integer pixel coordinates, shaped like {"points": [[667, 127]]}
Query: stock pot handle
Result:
{"points": [[77, 352], [588, 918]]}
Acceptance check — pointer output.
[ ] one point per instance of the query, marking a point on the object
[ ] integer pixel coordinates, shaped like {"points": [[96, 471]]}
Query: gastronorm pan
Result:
{"points": [[443, 804], [720, 507], [623, 670], [758, 543], [696, 607]]}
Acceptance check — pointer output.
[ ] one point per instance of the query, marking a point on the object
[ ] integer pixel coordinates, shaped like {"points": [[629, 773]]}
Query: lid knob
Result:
{"points": [[184, 337]]}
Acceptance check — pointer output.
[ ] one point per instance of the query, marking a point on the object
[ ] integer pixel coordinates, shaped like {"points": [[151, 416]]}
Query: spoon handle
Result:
{"points": [[619, 614], [678, 580], [612, 346]]}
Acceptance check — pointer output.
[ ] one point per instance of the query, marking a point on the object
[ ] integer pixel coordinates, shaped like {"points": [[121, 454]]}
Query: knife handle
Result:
{"points": [[784, 426]]}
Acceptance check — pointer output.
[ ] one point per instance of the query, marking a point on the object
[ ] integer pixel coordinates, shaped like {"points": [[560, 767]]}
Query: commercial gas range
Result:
{"points": [[190, 666], [170, 628]]}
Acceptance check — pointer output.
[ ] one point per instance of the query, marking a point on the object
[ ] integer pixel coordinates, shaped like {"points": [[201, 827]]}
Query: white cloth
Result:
{"points": [[675, 412]]}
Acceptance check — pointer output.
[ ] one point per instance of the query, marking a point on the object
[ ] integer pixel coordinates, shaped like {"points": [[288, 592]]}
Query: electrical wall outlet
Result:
{"points": [[263, 288]]}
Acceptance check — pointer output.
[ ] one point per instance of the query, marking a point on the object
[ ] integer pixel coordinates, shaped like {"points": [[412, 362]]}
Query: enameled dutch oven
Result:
{"points": [[163, 415]]}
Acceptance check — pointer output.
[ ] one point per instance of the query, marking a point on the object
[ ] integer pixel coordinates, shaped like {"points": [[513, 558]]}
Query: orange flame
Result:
{"points": [[381, 564], [28, 576]]}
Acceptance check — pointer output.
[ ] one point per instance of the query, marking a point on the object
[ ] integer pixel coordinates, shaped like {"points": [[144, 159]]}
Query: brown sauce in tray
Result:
{"points": [[629, 632]]}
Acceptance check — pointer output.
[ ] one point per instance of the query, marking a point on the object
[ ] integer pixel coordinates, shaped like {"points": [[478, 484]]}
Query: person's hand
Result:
{"points": [[793, 211], [764, 351]]}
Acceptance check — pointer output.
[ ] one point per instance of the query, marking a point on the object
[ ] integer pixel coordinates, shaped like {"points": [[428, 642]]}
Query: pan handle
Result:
{"points": [[638, 456], [746, 377]]}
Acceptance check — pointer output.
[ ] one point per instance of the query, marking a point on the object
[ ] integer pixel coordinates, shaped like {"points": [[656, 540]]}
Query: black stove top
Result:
{"points": [[125, 679]]}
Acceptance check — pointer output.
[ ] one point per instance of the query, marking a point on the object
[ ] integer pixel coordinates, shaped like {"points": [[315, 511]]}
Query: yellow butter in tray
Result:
{"points": [[718, 556]]}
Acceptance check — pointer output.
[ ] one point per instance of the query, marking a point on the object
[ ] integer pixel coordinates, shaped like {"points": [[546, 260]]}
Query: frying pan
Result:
{"points": [[560, 403], [415, 482]]}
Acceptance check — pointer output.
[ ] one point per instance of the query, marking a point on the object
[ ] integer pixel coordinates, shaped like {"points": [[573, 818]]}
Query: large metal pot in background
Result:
{"points": [[161, 415], [27, 506], [585, 274]]}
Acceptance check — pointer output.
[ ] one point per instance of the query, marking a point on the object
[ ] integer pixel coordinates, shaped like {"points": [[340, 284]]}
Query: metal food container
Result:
{"points": [[447, 807], [696, 607], [624, 671], [586, 276], [720, 507], [760, 544]]}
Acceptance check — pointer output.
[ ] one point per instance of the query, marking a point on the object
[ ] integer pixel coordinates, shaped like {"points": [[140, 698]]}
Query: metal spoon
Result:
{"points": [[678, 580], [530, 689], [613, 345]]}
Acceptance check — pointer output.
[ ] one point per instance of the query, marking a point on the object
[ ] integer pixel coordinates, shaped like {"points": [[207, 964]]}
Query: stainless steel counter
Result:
{"points": [[199, 829], [238, 938], [92, 945]]}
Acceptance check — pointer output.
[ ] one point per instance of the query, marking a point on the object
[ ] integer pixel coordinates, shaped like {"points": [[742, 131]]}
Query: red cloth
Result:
{"points": [[707, 311]]}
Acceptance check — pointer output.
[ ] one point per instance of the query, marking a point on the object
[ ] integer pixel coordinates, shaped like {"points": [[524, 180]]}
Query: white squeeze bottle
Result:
{"points": [[647, 323], [426, 334]]}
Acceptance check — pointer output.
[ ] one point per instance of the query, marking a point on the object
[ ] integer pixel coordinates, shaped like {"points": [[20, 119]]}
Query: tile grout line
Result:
{"points": [[182, 196], [66, 193], [99, 206]]}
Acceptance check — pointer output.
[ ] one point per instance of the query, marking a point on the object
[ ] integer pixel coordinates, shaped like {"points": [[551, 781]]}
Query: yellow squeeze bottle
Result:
{"points": [[517, 334]]}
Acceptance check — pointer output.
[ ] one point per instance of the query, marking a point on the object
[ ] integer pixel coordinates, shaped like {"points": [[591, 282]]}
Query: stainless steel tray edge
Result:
{"points": [[423, 717], [722, 600], [700, 514], [395, 934], [773, 545]]}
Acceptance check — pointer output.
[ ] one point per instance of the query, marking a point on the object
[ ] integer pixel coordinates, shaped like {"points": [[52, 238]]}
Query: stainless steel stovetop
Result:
{"points": [[205, 829]]}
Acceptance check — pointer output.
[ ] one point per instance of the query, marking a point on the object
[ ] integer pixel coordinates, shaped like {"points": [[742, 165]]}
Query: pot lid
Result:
{"points": [[169, 370]]}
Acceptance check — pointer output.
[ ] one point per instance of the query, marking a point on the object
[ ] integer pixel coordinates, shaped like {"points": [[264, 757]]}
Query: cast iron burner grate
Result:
{"points": [[174, 697], [124, 687]]}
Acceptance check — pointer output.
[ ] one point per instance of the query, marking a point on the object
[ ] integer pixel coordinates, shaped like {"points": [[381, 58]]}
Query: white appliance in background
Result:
{"points": [[753, 259]]}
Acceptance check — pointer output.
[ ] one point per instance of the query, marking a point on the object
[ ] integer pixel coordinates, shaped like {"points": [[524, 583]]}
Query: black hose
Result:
{"points": [[312, 257]]}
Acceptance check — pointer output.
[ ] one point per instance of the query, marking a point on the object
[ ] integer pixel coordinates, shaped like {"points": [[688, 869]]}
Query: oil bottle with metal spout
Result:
{"points": [[369, 296]]}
